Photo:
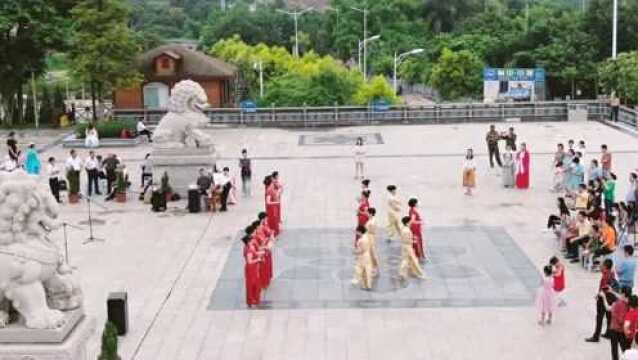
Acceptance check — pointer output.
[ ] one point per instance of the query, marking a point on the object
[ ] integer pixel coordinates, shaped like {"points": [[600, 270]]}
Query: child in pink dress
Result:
{"points": [[545, 297]]}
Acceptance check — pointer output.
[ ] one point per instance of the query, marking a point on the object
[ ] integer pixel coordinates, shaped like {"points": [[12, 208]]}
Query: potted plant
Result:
{"points": [[74, 186], [120, 187], [109, 343], [165, 187]]}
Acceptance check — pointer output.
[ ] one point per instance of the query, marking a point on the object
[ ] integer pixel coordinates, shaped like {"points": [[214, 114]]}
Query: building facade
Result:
{"points": [[166, 65]]}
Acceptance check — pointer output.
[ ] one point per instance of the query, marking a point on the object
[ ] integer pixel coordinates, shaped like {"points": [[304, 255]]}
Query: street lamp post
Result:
{"points": [[365, 35], [337, 11], [614, 39], [363, 44], [295, 15], [259, 67], [397, 62]]}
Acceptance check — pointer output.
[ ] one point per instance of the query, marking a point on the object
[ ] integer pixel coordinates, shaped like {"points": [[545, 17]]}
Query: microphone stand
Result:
{"points": [[66, 240], [91, 238]]}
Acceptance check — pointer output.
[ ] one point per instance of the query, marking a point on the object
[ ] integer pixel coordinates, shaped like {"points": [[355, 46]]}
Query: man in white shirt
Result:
{"points": [[223, 181], [53, 170], [142, 130], [73, 166], [91, 165]]}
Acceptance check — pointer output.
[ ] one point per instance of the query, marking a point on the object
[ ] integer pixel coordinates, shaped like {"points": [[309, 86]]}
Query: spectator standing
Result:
{"points": [[222, 180], [627, 267], [32, 163], [510, 139], [615, 106], [53, 171], [618, 310], [609, 192], [91, 165], [12, 147], [492, 139], [142, 130], [147, 170], [246, 173], [607, 281], [605, 159], [110, 165]]}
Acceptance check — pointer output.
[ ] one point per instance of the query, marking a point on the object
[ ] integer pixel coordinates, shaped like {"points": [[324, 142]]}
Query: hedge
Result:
{"points": [[106, 129]]}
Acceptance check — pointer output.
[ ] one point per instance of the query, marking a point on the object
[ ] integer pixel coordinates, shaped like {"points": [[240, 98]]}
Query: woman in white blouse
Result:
{"points": [[359, 157], [91, 139]]}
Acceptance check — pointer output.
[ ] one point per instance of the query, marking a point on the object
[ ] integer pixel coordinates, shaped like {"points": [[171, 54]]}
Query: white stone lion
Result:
{"points": [[179, 128], [34, 279]]}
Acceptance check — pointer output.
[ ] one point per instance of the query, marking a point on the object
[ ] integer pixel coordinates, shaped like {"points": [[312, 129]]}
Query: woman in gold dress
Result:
{"points": [[409, 262], [394, 214], [371, 228], [363, 264]]}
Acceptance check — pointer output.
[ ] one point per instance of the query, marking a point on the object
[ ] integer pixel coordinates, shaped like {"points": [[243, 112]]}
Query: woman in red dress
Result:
{"points": [[416, 228], [522, 168], [279, 187], [362, 212], [264, 245], [272, 205], [251, 272]]}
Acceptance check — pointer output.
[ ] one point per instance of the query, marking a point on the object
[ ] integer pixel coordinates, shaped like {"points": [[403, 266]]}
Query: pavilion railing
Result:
{"points": [[628, 116], [431, 114]]}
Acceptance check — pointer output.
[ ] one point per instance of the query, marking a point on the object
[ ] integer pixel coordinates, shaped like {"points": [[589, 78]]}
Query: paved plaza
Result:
{"points": [[469, 266], [183, 271]]}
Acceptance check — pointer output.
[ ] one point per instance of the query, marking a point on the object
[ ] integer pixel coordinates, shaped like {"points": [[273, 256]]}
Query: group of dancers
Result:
{"points": [[407, 229], [259, 239]]}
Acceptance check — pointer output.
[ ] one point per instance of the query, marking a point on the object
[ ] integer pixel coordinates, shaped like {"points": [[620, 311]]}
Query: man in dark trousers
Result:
{"points": [[222, 181], [110, 164], [510, 139], [492, 139]]}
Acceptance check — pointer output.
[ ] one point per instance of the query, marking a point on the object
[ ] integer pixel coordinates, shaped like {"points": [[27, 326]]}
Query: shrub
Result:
{"points": [[120, 182], [106, 129], [109, 343]]}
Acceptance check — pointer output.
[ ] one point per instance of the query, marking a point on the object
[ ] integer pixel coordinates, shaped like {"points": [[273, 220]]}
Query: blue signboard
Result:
{"points": [[248, 106], [380, 105], [511, 74]]}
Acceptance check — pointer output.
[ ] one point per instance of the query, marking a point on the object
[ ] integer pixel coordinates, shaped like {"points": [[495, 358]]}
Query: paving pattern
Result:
{"points": [[340, 139], [468, 266]]}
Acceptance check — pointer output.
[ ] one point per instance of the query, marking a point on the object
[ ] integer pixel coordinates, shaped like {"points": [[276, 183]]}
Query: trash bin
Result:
{"points": [[194, 201]]}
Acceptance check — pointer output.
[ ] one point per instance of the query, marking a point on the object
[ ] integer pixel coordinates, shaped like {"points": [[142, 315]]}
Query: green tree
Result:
{"points": [[621, 76], [457, 74], [104, 47], [46, 106], [377, 89], [29, 28]]}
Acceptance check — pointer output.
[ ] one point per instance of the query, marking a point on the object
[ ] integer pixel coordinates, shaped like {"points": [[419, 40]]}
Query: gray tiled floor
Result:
{"points": [[469, 266], [340, 139]]}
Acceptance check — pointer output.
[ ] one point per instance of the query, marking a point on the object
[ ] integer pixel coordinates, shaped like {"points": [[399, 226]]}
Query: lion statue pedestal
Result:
{"points": [[180, 147], [41, 314]]}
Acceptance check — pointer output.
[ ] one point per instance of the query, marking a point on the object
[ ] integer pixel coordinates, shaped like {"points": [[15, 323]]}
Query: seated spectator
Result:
{"points": [[91, 139], [607, 237], [581, 198], [204, 182], [147, 171], [142, 130], [555, 220], [583, 236], [594, 208]]}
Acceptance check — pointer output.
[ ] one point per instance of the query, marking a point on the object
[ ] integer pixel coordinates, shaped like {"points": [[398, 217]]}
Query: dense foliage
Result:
{"points": [[312, 79]]}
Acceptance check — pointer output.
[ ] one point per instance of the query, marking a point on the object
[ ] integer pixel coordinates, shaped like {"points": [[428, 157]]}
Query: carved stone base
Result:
{"points": [[72, 348], [182, 166], [18, 334]]}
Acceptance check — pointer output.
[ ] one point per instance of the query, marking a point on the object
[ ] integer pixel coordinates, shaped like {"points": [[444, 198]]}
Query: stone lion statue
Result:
{"points": [[179, 128], [34, 280]]}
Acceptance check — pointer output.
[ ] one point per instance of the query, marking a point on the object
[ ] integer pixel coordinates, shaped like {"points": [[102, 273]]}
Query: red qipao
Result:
{"points": [[280, 189], [417, 232], [251, 274], [265, 270], [362, 216], [272, 205], [522, 170]]}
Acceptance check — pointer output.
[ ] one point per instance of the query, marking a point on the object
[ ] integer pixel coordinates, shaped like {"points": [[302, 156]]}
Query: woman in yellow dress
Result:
{"points": [[371, 228], [394, 214], [469, 172], [363, 264], [409, 262]]}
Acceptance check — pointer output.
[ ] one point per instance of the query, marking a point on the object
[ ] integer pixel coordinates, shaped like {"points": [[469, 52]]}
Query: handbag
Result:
{"points": [[62, 185]]}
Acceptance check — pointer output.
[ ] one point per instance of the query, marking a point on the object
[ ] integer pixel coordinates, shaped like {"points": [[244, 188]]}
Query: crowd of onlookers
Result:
{"points": [[597, 230]]}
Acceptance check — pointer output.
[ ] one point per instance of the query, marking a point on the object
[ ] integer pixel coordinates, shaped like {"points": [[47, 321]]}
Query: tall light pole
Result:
{"points": [[259, 66], [365, 35], [337, 11], [295, 15], [363, 45], [614, 38], [397, 62]]}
